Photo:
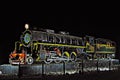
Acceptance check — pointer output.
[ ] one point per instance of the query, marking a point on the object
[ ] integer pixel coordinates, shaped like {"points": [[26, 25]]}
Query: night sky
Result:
{"points": [[12, 25]]}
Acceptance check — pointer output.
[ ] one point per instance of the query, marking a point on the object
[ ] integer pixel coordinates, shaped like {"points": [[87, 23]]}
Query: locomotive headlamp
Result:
{"points": [[26, 26]]}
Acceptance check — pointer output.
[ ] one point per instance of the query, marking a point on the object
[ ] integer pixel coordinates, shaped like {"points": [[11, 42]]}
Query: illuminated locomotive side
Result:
{"points": [[47, 46]]}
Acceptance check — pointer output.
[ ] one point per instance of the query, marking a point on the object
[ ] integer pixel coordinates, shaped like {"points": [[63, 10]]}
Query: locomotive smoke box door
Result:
{"points": [[26, 38]]}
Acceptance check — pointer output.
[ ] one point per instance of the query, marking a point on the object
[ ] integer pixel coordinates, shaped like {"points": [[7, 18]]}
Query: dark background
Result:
{"points": [[13, 26], [14, 17]]}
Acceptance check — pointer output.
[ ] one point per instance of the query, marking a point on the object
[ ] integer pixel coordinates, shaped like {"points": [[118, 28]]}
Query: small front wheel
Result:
{"points": [[29, 60]]}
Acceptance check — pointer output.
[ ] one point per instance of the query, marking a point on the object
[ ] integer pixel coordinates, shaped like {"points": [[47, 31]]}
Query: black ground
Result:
{"points": [[106, 75]]}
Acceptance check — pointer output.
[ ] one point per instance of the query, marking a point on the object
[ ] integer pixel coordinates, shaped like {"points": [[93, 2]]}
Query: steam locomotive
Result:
{"points": [[37, 46]]}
